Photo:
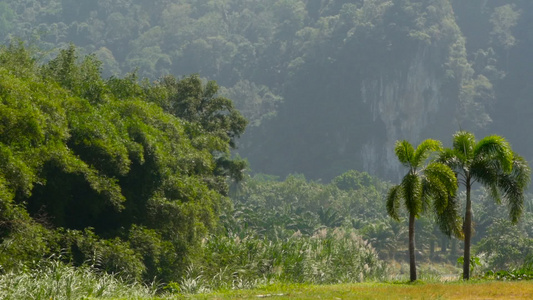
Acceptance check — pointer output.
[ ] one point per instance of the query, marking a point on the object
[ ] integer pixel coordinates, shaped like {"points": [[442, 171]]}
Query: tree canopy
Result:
{"points": [[79, 151], [423, 184], [491, 162], [353, 67]]}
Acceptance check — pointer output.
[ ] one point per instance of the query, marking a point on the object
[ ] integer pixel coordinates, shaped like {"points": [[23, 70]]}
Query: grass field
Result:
{"points": [[450, 290], [55, 280]]}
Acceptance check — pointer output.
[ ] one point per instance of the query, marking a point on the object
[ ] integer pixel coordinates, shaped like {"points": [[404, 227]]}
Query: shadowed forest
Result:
{"points": [[180, 146]]}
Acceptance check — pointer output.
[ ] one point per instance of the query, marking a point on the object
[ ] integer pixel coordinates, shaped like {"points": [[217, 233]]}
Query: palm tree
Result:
{"points": [[492, 163], [434, 181]]}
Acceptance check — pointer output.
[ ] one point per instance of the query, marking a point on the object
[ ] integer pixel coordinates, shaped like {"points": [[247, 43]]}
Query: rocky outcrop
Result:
{"points": [[406, 102]]}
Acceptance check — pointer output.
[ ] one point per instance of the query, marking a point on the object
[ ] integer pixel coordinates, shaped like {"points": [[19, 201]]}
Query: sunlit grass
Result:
{"points": [[427, 271], [54, 280], [418, 290]]}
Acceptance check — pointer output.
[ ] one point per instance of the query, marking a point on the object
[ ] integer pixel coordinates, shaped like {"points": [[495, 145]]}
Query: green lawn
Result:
{"points": [[451, 290]]}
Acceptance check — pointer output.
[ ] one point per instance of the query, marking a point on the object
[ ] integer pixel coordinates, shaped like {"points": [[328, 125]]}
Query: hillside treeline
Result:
{"points": [[328, 86]]}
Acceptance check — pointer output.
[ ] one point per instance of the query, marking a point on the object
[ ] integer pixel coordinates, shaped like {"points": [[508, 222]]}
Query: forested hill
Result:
{"points": [[328, 85]]}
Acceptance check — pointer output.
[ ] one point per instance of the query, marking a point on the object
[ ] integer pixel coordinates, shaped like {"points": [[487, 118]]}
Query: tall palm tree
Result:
{"points": [[492, 163], [422, 183]]}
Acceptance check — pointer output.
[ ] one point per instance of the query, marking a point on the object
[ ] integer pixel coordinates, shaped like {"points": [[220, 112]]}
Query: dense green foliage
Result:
{"points": [[279, 209], [352, 67], [102, 170], [498, 243], [131, 177]]}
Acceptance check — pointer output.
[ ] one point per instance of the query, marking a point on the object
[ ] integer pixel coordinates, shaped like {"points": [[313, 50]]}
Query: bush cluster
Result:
{"points": [[328, 256]]}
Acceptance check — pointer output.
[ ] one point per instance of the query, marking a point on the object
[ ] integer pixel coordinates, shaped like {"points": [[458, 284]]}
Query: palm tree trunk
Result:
{"points": [[412, 259], [468, 233]]}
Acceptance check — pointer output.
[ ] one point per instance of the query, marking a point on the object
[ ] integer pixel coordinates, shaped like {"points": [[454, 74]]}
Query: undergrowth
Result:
{"points": [[52, 279], [327, 257]]}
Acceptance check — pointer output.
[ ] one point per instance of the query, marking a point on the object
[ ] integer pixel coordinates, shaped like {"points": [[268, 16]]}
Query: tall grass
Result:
{"points": [[329, 256], [52, 279]]}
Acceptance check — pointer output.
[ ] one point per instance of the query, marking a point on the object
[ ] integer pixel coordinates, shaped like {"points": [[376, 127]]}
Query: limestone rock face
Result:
{"points": [[399, 75], [406, 102]]}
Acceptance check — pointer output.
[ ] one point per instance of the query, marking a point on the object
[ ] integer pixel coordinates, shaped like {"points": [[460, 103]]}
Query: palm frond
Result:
{"points": [[393, 202], [412, 193], [513, 185], [436, 191], [449, 220], [521, 171], [404, 151], [498, 149], [487, 172], [463, 142], [426, 195], [451, 158], [424, 150], [442, 184], [442, 173]]}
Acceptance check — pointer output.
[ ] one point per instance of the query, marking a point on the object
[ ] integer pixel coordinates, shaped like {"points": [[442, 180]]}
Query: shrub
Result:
{"points": [[158, 255], [52, 279], [505, 247], [329, 256], [113, 256]]}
